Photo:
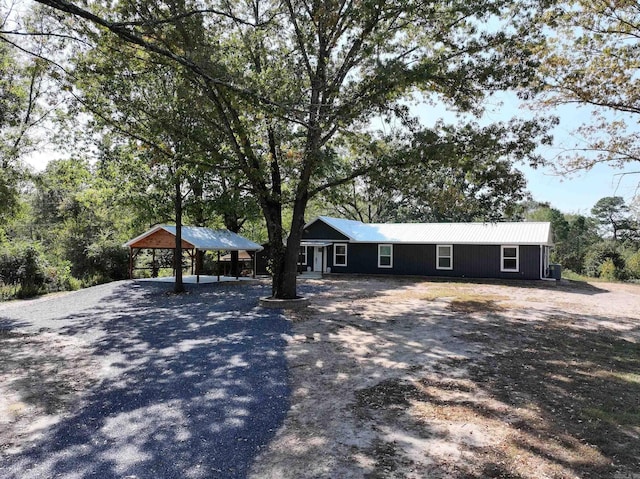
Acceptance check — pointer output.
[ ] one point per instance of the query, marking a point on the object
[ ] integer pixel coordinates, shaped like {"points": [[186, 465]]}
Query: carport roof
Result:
{"points": [[199, 238]]}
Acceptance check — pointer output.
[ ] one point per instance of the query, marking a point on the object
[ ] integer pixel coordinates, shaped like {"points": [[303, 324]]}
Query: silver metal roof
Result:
{"points": [[206, 238], [521, 233]]}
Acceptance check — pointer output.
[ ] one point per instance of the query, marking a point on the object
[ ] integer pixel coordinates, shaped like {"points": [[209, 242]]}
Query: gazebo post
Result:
{"points": [[197, 265], [218, 268], [238, 267], [130, 262], [255, 264]]}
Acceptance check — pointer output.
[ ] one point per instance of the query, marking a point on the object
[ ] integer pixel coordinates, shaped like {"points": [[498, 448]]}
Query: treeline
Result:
{"points": [[70, 222], [604, 245], [72, 218], [68, 231]]}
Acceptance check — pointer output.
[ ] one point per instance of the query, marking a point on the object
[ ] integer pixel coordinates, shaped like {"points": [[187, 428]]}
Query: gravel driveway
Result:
{"points": [[189, 386]]}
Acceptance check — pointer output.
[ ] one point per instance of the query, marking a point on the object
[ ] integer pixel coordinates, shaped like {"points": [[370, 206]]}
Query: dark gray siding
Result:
{"points": [[320, 230], [310, 252], [469, 261]]}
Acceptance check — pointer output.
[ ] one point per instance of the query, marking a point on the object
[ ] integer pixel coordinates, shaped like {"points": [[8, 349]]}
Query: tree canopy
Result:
{"points": [[289, 84], [589, 57]]}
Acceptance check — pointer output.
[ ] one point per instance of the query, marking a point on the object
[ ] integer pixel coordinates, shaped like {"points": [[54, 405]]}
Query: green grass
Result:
{"points": [[572, 276]]}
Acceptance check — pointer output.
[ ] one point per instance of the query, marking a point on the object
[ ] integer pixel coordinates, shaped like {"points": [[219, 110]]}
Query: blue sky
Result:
{"points": [[576, 193]]}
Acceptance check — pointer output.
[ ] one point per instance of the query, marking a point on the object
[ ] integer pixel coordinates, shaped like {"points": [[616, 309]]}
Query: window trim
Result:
{"points": [[502, 258], [335, 254], [450, 256], [390, 256], [305, 255]]}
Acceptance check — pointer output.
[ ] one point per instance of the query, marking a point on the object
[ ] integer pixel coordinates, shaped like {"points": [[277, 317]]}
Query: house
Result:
{"points": [[472, 250]]}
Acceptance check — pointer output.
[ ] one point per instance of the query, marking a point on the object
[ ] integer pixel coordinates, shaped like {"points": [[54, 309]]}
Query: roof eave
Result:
{"points": [[145, 234], [321, 218]]}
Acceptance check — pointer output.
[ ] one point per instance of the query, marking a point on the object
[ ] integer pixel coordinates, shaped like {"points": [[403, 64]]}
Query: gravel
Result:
{"points": [[186, 386]]}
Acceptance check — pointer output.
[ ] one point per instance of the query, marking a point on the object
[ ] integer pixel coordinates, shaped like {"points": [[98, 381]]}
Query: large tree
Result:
{"points": [[613, 216], [26, 101], [445, 174], [288, 80], [589, 58]]}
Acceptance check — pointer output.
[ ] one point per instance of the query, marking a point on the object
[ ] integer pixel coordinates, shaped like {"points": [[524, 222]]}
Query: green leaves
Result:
{"points": [[591, 57]]}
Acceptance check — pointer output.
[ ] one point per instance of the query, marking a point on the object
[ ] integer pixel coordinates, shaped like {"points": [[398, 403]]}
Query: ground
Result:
{"points": [[413, 379], [378, 378], [127, 380]]}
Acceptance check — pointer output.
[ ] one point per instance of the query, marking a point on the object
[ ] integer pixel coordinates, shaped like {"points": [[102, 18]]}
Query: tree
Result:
{"points": [[27, 98], [78, 218], [581, 235], [444, 174], [590, 58], [573, 235], [612, 214], [287, 81]]}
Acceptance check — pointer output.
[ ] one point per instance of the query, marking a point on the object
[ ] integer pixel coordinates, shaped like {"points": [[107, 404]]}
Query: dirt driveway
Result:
{"points": [[397, 378]]}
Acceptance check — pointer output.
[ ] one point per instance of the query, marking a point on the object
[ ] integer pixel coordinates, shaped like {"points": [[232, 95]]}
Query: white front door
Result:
{"points": [[318, 257]]}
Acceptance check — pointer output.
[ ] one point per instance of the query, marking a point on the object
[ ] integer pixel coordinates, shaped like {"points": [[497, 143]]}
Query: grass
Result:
{"points": [[581, 278]]}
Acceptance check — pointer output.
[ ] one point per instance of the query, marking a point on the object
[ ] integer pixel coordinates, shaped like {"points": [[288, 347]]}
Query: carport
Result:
{"points": [[195, 239]]}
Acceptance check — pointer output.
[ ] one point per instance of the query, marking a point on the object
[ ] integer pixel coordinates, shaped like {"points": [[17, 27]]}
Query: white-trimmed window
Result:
{"points": [[302, 255], [385, 256], [509, 258], [339, 254], [444, 256]]}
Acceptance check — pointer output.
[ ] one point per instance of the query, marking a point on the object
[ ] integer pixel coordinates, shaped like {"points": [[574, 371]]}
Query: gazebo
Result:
{"points": [[194, 240]]}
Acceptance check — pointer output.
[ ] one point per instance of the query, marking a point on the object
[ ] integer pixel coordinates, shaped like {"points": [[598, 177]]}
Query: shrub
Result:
{"points": [[108, 260], [598, 254], [608, 270], [59, 278], [32, 273], [632, 265]]}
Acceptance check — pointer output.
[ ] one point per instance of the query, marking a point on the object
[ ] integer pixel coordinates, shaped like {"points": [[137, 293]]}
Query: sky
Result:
{"points": [[576, 193]]}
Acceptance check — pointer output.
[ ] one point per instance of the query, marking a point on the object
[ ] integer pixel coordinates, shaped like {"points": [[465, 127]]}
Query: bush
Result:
{"points": [[24, 273], [632, 265], [59, 278], [608, 270], [598, 254], [31, 273], [108, 261]]}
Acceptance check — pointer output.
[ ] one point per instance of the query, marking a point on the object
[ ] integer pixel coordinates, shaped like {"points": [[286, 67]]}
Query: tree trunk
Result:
{"points": [[235, 264], [177, 257], [233, 223], [273, 217]]}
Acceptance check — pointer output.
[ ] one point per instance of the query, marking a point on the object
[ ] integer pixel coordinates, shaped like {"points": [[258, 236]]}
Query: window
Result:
{"points": [[340, 255], [444, 256], [302, 255], [509, 258], [385, 256]]}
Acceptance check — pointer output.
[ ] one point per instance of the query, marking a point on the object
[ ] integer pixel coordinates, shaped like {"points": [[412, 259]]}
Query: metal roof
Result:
{"points": [[521, 233], [205, 238]]}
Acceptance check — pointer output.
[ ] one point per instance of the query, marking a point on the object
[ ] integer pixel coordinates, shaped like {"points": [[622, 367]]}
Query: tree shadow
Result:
{"points": [[569, 286], [193, 385], [419, 388]]}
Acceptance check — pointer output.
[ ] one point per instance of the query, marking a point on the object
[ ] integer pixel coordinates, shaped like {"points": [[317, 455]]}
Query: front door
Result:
{"points": [[318, 258]]}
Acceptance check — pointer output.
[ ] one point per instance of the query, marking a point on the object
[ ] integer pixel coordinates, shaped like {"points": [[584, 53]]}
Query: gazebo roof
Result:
{"points": [[193, 237]]}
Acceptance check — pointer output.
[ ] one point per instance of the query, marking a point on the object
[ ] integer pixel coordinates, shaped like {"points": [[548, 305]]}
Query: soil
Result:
{"points": [[41, 375], [406, 378], [402, 378]]}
